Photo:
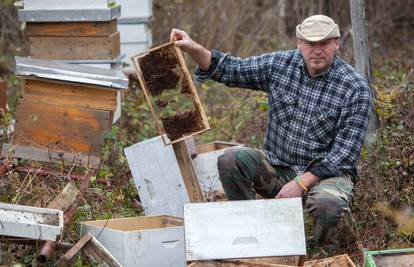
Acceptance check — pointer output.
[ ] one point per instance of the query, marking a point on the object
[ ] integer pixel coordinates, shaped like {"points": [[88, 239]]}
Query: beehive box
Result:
{"points": [[157, 177], [244, 229], [205, 165], [170, 93], [155, 241], [389, 258], [59, 5], [65, 111], [31, 222]]}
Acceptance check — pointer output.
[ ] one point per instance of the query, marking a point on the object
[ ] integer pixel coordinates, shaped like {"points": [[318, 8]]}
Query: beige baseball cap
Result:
{"points": [[317, 28]]}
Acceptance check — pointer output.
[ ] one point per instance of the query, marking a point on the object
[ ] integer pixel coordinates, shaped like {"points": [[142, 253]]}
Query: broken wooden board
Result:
{"points": [[244, 229], [141, 241], [30, 222], [92, 248], [224, 263], [62, 29], [337, 261], [65, 199], [205, 165], [170, 93], [75, 47], [158, 178], [389, 258]]}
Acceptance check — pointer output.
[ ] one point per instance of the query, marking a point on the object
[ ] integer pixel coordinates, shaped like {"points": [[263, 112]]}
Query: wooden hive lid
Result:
{"points": [[30, 68]]}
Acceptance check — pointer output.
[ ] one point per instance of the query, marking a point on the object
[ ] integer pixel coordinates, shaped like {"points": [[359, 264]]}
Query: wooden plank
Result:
{"points": [[163, 68], [158, 178], [31, 222], [74, 29], [213, 146], [244, 229], [75, 48], [65, 199], [45, 155], [281, 260], [337, 261], [47, 87], [3, 96], [61, 127], [237, 263], [188, 173]]}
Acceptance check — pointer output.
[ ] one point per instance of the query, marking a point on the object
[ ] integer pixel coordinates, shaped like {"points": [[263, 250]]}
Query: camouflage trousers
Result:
{"points": [[245, 172]]}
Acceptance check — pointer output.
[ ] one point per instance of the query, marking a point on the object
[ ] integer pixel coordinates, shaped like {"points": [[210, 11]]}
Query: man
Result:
{"points": [[318, 115]]}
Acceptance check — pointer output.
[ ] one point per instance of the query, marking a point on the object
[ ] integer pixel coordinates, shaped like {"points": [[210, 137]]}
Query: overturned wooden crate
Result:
{"points": [[170, 93], [74, 31], [30, 222], [244, 229], [155, 241], [65, 111], [205, 165], [389, 258]]}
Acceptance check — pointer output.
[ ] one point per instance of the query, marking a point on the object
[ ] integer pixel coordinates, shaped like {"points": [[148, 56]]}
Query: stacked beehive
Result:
{"points": [[78, 31]]}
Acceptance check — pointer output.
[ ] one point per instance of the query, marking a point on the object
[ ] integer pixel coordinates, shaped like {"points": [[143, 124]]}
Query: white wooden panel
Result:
{"points": [[30, 222], [134, 33], [205, 166], [243, 229], [64, 4], [157, 177], [135, 8], [157, 247]]}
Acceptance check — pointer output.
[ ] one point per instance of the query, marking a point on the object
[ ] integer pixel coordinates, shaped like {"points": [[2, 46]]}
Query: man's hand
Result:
{"points": [[292, 189], [289, 190], [200, 55]]}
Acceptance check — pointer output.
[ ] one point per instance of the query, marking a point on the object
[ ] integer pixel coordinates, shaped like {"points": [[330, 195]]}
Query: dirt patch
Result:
{"points": [[182, 124], [160, 69]]}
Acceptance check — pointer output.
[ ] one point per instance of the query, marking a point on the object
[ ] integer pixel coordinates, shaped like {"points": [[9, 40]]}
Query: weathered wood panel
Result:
{"points": [[244, 229], [56, 156], [55, 29], [61, 127], [337, 261], [69, 95], [75, 48]]}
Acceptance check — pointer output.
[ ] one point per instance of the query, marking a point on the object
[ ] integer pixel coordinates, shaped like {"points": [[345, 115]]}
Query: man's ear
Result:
{"points": [[299, 43], [337, 44]]}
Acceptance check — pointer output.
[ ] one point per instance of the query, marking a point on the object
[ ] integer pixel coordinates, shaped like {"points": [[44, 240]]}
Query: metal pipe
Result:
{"points": [[47, 247]]}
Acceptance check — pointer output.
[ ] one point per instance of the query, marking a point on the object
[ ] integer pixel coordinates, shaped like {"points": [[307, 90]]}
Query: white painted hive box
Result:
{"points": [[155, 241], [157, 177], [205, 165], [244, 229], [31, 222]]}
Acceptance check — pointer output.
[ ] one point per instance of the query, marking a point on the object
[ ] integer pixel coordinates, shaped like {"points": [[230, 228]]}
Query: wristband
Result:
{"points": [[300, 183]]}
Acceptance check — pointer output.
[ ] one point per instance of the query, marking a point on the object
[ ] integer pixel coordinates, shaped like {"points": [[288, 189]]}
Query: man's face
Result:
{"points": [[318, 56]]}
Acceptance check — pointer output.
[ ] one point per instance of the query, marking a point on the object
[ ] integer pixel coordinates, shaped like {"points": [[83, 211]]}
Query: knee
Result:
{"points": [[327, 209]]}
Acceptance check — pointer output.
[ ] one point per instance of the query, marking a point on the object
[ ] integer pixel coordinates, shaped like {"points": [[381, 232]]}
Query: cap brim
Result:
{"points": [[330, 34]]}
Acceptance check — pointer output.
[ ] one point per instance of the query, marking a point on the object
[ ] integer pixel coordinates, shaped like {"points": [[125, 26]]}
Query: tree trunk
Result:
{"points": [[362, 60]]}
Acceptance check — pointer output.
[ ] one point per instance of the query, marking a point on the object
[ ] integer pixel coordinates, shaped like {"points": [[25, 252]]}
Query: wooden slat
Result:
{"points": [[46, 87], [284, 260], [87, 28], [3, 95], [61, 127], [45, 155], [187, 171], [340, 260], [65, 199], [75, 48]]}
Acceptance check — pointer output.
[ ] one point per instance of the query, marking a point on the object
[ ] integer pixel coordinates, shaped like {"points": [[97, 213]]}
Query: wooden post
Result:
{"points": [[362, 59], [3, 96], [188, 172]]}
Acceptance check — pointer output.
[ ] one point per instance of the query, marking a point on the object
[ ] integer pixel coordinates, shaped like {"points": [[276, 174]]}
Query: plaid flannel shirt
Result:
{"points": [[315, 124]]}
